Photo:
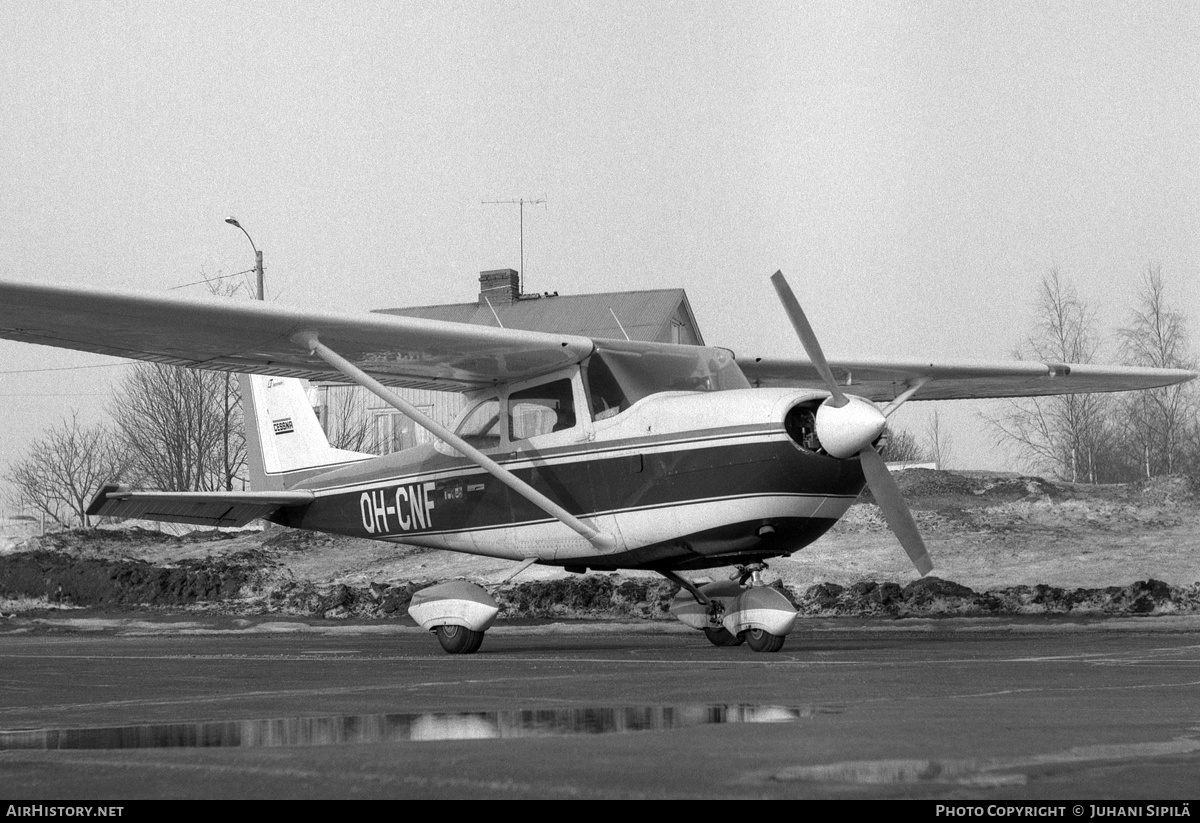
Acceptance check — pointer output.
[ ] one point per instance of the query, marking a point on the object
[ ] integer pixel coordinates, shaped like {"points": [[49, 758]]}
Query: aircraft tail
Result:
{"points": [[284, 440]]}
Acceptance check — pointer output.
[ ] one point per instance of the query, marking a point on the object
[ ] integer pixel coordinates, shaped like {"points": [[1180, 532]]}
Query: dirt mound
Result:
{"points": [[295, 540], [249, 588], [932, 596], [591, 596], [109, 542], [957, 502], [918, 484], [928, 488], [1171, 490], [63, 578]]}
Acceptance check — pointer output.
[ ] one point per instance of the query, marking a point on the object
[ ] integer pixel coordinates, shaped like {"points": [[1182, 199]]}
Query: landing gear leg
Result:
{"points": [[750, 574], [706, 608]]}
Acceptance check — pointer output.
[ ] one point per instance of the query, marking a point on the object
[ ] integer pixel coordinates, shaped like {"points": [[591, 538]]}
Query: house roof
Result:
{"points": [[645, 315]]}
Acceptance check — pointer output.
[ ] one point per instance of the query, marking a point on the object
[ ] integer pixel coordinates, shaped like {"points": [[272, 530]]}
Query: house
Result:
{"points": [[355, 419]]}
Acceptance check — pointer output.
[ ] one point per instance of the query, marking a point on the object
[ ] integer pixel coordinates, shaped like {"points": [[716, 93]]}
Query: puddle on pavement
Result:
{"points": [[388, 728], [981, 773]]}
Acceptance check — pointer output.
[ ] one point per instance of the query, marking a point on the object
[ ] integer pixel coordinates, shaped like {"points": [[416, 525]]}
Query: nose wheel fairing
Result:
{"points": [[759, 610]]}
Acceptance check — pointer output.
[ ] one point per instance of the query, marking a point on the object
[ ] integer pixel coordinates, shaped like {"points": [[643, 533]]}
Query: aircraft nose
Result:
{"points": [[846, 430]]}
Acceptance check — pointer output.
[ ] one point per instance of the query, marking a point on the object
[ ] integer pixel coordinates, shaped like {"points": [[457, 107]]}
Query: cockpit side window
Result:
{"points": [[481, 426], [542, 409]]}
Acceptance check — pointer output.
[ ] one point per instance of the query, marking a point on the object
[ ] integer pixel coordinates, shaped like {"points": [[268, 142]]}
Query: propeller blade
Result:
{"points": [[808, 337], [852, 427], [895, 510]]}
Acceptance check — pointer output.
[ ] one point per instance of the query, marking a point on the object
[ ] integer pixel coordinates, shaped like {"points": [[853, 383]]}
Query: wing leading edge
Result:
{"points": [[884, 380], [253, 337]]}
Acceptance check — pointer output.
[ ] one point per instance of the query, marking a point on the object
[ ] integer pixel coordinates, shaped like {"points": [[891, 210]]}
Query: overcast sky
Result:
{"points": [[914, 168]]}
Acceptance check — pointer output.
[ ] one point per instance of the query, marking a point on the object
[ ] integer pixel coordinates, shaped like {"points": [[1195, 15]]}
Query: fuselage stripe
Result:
{"points": [[631, 510], [576, 455]]}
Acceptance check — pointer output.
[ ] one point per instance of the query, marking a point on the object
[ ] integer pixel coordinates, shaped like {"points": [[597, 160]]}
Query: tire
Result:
{"points": [[459, 640], [763, 641], [723, 637], [476, 642]]}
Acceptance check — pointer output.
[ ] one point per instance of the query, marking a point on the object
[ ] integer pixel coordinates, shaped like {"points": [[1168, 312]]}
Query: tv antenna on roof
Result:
{"points": [[519, 202]]}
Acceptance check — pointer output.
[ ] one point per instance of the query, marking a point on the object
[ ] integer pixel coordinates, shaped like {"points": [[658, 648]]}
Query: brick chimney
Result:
{"points": [[500, 286]]}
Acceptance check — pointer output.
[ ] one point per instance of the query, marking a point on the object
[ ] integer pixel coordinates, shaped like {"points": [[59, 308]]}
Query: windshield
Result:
{"points": [[620, 375]]}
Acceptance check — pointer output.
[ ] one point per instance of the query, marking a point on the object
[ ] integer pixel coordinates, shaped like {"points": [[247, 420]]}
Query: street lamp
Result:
{"points": [[258, 266]]}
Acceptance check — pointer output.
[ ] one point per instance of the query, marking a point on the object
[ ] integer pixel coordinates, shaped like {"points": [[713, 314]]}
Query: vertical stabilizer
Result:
{"points": [[284, 439]]}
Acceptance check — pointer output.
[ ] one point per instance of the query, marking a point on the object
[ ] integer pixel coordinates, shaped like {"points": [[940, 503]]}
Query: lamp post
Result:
{"points": [[258, 266], [258, 270]]}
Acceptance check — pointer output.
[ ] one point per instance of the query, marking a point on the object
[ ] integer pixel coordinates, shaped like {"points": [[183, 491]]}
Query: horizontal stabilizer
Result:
{"points": [[196, 508]]}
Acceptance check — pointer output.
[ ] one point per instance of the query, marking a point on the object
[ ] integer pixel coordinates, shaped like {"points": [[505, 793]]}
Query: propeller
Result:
{"points": [[848, 426]]}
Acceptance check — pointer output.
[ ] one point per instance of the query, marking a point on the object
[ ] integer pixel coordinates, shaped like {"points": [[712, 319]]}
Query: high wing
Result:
{"points": [[253, 337], [197, 508], [884, 380]]}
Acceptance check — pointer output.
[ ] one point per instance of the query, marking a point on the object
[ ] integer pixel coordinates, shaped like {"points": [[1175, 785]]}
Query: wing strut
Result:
{"points": [[911, 388], [601, 541]]}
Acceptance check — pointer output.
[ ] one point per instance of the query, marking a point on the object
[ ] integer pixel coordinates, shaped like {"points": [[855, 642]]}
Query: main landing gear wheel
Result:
{"points": [[762, 641], [723, 637], [459, 640]]}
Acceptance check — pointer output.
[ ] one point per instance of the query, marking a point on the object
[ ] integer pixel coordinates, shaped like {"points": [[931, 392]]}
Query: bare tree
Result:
{"points": [[937, 435], [65, 469], [902, 447], [1066, 434], [346, 417], [1158, 421], [180, 427], [233, 432]]}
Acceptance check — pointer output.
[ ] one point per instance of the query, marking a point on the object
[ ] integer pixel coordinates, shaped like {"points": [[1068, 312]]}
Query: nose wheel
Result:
{"points": [[758, 639], [762, 640]]}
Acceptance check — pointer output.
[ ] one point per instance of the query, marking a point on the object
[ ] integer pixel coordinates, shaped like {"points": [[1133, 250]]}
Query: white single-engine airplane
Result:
{"points": [[572, 452]]}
